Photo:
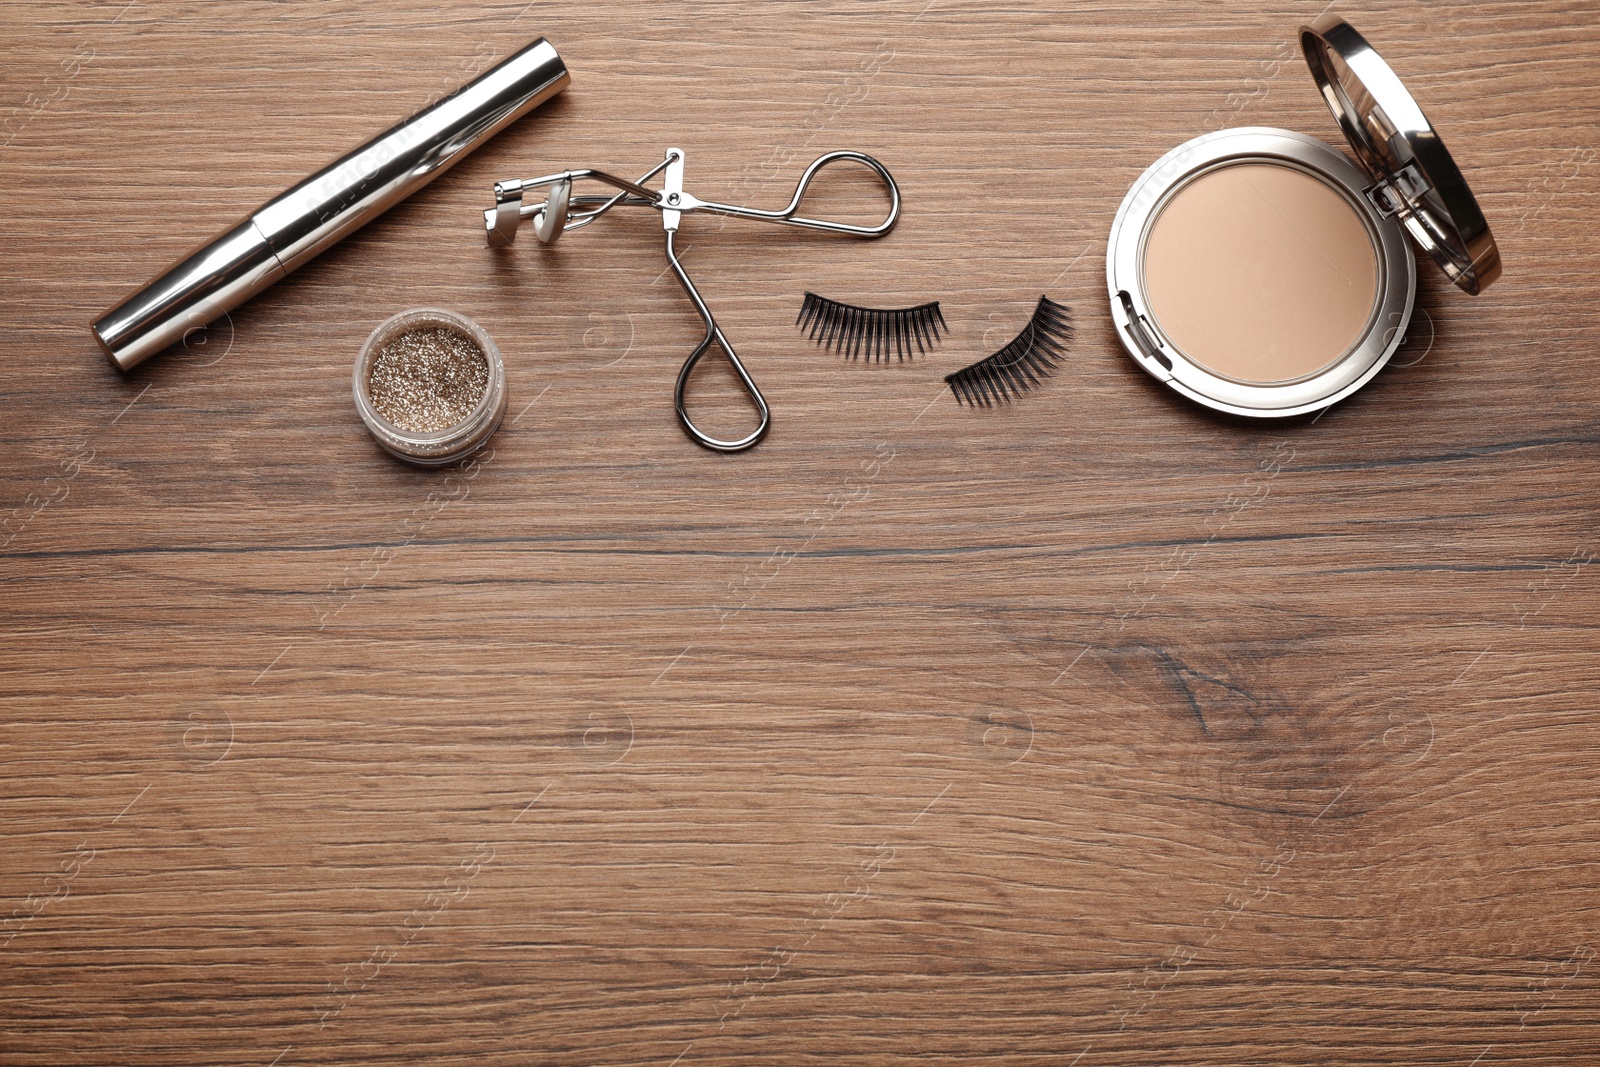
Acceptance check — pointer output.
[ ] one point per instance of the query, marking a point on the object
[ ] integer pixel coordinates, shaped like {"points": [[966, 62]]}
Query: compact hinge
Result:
{"points": [[1139, 330], [1392, 193]]}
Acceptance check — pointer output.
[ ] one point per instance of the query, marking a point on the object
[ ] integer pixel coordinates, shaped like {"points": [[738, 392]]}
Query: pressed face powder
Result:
{"points": [[1260, 272], [427, 379]]}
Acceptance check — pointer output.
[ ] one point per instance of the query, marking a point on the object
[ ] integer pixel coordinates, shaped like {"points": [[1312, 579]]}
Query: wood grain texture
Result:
{"points": [[1092, 731]]}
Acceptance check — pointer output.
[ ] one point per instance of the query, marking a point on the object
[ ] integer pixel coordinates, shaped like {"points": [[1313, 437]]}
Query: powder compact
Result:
{"points": [[430, 385], [1259, 271]]}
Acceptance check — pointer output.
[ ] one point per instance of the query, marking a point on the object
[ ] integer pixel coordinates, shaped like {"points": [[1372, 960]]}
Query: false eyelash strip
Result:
{"points": [[871, 333], [1020, 365]]}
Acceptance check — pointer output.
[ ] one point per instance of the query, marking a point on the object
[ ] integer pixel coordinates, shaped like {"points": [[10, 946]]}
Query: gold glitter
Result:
{"points": [[428, 379]]}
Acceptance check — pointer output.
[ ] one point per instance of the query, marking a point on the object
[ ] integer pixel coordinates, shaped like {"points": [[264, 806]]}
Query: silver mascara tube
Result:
{"points": [[298, 225]]}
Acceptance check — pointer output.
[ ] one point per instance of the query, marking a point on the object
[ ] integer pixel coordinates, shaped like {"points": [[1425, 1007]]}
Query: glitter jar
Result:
{"points": [[430, 385]]}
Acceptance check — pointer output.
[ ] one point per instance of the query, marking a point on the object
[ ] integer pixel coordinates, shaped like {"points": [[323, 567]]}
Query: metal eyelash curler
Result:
{"points": [[561, 211]]}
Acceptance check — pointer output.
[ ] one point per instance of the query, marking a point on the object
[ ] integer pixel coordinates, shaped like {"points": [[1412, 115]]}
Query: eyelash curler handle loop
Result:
{"points": [[788, 217]]}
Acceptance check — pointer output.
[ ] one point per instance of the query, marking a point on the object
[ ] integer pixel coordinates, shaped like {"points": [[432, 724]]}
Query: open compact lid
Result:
{"points": [[1417, 180]]}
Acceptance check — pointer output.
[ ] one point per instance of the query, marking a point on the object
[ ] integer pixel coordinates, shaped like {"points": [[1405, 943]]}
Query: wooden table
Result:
{"points": [[1092, 730]]}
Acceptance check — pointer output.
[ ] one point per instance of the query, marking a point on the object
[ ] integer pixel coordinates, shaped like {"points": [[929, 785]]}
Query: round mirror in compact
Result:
{"points": [[1261, 272]]}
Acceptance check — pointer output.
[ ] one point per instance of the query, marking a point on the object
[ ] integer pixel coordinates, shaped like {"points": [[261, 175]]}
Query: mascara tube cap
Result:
{"points": [[306, 220]]}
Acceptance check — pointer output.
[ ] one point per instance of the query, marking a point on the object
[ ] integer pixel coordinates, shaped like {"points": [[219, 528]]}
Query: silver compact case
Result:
{"points": [[1261, 272]]}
